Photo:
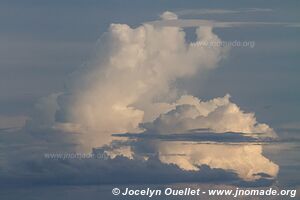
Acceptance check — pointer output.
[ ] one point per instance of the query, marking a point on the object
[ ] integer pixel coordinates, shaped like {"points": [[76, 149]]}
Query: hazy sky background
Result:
{"points": [[42, 42]]}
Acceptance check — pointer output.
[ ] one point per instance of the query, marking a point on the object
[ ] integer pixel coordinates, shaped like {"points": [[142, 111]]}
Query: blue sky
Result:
{"points": [[42, 42], [51, 71]]}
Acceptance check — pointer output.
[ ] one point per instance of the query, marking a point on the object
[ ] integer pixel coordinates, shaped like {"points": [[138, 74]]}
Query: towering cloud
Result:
{"points": [[130, 79], [128, 86]]}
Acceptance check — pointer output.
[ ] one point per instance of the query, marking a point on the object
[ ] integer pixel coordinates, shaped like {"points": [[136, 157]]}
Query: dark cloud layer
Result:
{"points": [[120, 170]]}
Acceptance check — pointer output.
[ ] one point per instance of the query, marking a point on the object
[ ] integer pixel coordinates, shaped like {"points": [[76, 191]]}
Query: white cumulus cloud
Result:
{"points": [[130, 79], [128, 86]]}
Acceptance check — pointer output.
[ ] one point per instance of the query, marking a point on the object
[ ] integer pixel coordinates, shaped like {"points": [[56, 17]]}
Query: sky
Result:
{"points": [[146, 84]]}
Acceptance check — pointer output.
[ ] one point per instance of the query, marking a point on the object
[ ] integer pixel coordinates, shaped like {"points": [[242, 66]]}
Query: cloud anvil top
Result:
{"points": [[185, 23]]}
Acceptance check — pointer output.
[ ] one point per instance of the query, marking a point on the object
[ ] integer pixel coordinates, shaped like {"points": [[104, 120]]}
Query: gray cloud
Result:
{"points": [[205, 137], [194, 12], [184, 23], [119, 170]]}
